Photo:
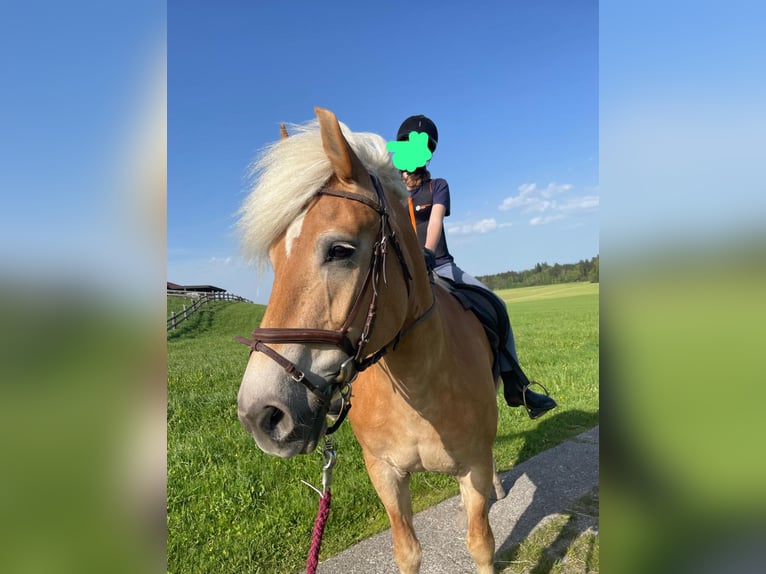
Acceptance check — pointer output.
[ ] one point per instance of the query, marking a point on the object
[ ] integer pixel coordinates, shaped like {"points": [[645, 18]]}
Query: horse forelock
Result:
{"points": [[289, 172]]}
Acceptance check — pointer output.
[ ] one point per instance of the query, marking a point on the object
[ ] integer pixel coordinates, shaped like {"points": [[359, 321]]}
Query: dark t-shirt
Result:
{"points": [[432, 192]]}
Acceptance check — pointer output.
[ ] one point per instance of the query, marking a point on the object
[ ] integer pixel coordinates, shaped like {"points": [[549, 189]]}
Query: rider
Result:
{"points": [[429, 203]]}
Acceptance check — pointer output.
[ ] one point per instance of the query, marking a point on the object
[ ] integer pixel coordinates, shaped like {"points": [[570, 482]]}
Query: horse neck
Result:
{"points": [[424, 327], [420, 352], [421, 296]]}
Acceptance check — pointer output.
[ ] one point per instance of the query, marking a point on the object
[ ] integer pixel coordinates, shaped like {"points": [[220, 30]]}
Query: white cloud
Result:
{"points": [[483, 226], [555, 189], [511, 202], [586, 203], [540, 205], [221, 260], [533, 199], [525, 197], [545, 220]]}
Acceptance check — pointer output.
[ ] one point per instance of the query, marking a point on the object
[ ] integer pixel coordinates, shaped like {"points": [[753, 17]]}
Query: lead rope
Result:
{"points": [[325, 498]]}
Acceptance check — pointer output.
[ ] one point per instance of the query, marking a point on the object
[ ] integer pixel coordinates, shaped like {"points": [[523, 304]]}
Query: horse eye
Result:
{"points": [[340, 251]]}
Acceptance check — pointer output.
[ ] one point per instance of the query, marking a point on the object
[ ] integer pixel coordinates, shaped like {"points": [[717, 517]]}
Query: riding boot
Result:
{"points": [[517, 393]]}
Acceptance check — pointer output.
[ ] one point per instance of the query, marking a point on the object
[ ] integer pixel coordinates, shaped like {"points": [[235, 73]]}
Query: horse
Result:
{"points": [[352, 303]]}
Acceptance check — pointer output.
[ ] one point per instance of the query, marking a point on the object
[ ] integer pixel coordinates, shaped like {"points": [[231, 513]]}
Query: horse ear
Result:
{"points": [[345, 164], [283, 132]]}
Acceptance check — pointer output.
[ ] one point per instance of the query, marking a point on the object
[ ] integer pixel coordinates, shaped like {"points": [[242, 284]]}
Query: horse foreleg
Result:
{"points": [[475, 488], [393, 488], [497, 483]]}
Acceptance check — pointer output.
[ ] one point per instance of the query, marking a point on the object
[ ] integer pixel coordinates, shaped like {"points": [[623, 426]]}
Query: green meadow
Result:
{"points": [[232, 508]]}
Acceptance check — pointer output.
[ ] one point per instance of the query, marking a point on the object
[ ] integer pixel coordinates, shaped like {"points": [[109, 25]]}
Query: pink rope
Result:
{"points": [[316, 535]]}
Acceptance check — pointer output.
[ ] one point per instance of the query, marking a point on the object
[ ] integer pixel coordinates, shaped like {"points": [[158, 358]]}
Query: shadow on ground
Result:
{"points": [[543, 531]]}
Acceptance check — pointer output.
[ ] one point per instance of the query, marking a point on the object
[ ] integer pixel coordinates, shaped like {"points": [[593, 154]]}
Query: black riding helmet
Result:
{"points": [[422, 124]]}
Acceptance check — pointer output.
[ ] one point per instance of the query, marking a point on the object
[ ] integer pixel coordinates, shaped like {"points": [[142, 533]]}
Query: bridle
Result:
{"points": [[357, 360]]}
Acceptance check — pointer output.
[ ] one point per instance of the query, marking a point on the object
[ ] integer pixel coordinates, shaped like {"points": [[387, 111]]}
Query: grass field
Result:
{"points": [[233, 509]]}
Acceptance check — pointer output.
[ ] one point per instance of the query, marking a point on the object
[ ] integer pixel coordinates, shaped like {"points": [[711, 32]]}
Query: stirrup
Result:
{"points": [[532, 413]]}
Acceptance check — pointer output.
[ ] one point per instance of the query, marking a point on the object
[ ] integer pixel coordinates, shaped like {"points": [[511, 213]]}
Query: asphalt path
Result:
{"points": [[546, 484]]}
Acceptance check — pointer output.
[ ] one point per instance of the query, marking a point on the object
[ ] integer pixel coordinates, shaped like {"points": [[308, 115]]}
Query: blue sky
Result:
{"points": [[512, 87], [75, 80], [683, 125], [669, 132]]}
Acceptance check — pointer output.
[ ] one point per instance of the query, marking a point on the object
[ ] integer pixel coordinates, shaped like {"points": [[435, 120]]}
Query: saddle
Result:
{"points": [[488, 308]]}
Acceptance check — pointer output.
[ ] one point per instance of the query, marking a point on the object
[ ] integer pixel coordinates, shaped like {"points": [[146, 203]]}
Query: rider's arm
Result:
{"points": [[435, 226]]}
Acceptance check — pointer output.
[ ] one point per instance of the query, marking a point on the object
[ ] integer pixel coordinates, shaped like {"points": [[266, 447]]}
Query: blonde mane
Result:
{"points": [[289, 172]]}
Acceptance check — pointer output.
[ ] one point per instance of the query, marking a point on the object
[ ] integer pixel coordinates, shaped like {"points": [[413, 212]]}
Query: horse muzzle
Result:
{"points": [[283, 418], [280, 430]]}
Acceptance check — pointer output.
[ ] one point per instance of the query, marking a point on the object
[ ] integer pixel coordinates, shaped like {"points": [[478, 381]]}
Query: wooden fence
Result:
{"points": [[178, 317]]}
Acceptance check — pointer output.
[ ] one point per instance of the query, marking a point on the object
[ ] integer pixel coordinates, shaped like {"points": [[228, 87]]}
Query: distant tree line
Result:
{"points": [[544, 274]]}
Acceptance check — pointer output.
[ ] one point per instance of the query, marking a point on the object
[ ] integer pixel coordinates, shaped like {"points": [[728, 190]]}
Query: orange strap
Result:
{"points": [[412, 214], [412, 209]]}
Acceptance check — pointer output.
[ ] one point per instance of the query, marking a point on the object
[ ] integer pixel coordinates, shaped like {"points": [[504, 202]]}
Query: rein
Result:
{"points": [[357, 361]]}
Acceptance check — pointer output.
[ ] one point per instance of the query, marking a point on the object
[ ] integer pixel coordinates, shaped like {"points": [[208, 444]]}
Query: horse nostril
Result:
{"points": [[272, 417], [271, 424], [276, 417]]}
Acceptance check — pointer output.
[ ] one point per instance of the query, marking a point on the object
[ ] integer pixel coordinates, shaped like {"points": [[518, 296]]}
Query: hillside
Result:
{"points": [[544, 274], [218, 318]]}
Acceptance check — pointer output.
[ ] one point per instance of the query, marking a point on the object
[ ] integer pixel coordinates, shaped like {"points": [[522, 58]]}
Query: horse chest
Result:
{"points": [[410, 446]]}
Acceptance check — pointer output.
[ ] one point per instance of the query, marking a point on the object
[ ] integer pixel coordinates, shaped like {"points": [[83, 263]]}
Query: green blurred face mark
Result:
{"points": [[412, 154]]}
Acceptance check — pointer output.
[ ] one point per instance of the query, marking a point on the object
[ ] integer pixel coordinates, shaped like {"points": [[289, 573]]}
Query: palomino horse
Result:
{"points": [[352, 296]]}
